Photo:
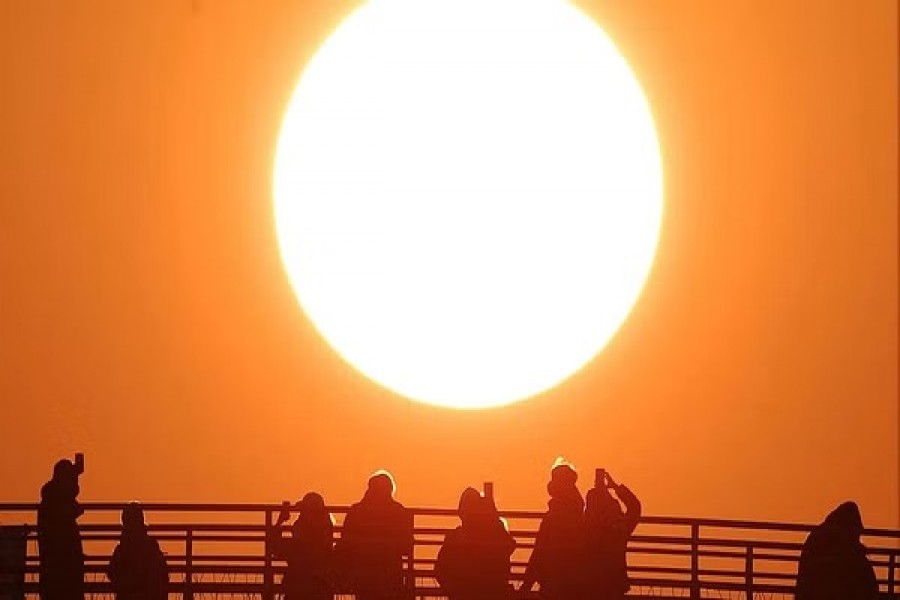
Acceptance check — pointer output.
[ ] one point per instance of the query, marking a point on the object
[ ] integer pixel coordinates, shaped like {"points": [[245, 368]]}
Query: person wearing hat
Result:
{"points": [[557, 560]]}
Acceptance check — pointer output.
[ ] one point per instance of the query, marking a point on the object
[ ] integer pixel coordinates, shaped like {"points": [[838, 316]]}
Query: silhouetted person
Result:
{"points": [[376, 534], [607, 530], [137, 569], [833, 563], [308, 552], [59, 541], [473, 562], [557, 560]]}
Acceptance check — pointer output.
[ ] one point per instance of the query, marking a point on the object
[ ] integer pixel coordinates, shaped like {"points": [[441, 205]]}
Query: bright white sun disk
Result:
{"points": [[468, 195]]}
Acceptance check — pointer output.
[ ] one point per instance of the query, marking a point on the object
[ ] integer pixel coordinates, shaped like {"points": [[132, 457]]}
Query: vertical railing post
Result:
{"points": [[695, 561], [410, 582], [892, 566], [189, 564], [748, 573], [268, 575]]}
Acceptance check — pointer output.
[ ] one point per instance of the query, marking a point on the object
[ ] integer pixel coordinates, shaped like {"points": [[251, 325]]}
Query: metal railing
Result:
{"points": [[220, 549]]}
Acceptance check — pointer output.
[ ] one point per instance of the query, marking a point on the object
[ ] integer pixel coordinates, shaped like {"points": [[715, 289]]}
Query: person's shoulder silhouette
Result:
{"points": [[378, 518], [376, 534], [474, 560], [833, 562], [137, 569]]}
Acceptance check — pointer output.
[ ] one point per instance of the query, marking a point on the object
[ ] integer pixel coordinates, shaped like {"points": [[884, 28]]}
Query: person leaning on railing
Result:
{"points": [[137, 568], [376, 534], [473, 562], [308, 552]]}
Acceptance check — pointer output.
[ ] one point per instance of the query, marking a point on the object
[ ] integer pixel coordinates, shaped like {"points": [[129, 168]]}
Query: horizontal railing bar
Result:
{"points": [[447, 512]]}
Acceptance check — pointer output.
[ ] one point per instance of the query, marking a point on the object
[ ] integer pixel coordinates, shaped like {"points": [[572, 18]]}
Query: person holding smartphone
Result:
{"points": [[308, 551], [474, 560], [607, 530], [59, 540]]}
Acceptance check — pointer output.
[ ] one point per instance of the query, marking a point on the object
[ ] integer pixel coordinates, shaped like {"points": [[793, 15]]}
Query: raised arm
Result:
{"points": [[632, 507]]}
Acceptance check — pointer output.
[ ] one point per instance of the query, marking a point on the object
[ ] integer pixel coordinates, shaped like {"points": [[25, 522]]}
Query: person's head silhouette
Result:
{"points": [[846, 520], [469, 504], [380, 487], [564, 494], [562, 479], [314, 516], [64, 469], [133, 518], [312, 502], [65, 477], [312, 508]]}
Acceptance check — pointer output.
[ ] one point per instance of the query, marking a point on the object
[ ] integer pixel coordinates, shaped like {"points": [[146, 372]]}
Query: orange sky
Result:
{"points": [[146, 320]]}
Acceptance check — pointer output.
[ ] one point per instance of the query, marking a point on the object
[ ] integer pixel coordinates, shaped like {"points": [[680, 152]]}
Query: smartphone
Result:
{"points": [[79, 462], [489, 490], [600, 478], [285, 513]]}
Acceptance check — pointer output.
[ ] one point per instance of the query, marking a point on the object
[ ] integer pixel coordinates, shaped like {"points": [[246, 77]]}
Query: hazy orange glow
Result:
{"points": [[468, 223], [146, 319]]}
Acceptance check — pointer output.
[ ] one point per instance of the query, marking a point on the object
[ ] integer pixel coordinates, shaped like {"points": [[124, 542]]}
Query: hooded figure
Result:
{"points": [[308, 552], [137, 569], [833, 563], [473, 562], [59, 541], [557, 560], [376, 534], [607, 530]]}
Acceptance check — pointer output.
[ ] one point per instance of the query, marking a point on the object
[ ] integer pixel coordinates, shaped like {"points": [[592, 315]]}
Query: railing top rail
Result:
{"points": [[444, 512]]}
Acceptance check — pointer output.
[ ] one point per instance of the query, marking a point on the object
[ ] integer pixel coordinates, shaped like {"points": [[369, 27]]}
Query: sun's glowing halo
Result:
{"points": [[468, 195]]}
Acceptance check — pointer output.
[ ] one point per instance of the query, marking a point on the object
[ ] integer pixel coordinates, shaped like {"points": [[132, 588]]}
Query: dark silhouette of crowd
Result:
{"points": [[579, 551]]}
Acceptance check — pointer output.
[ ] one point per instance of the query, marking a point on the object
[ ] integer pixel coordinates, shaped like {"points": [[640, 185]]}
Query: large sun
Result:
{"points": [[468, 195]]}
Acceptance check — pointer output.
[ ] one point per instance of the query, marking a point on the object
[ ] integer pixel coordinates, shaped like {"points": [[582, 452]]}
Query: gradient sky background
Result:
{"points": [[146, 320]]}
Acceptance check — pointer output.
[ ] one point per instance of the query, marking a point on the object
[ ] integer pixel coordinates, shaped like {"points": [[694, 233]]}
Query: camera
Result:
{"points": [[79, 463]]}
